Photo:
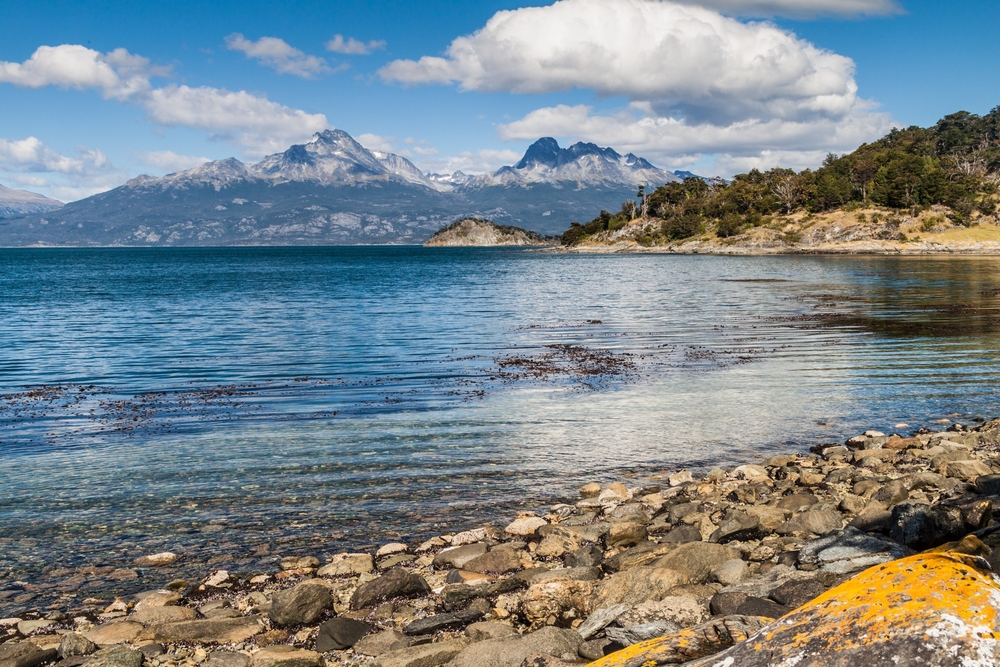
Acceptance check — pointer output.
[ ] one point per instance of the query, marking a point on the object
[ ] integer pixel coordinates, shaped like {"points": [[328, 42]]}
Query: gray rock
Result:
{"points": [[303, 603], [988, 485], [741, 526], [726, 604], [116, 656], [451, 621], [24, 654], [377, 643], [75, 644], [574, 573], [600, 619], [396, 583], [640, 633], [512, 651], [500, 560], [338, 634], [227, 659], [458, 556], [819, 522], [425, 655], [588, 556], [731, 572], [923, 527], [682, 535], [484, 630], [851, 550], [754, 606], [220, 631], [697, 560]]}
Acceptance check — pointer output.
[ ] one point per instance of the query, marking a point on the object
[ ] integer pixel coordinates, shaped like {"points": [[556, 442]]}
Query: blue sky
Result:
{"points": [[94, 93]]}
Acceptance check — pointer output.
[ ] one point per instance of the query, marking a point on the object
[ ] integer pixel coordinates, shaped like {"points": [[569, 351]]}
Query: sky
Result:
{"points": [[95, 93]]}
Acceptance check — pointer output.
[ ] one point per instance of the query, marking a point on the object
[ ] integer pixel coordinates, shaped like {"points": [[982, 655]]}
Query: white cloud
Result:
{"points": [[118, 74], [470, 162], [278, 55], [259, 125], [353, 47], [169, 161], [801, 8], [375, 142], [30, 163]]}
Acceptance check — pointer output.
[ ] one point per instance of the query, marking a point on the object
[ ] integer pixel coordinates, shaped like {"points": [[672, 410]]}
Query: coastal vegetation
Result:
{"points": [[911, 180]]}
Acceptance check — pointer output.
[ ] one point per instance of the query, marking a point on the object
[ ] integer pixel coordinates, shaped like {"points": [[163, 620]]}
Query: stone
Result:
{"points": [[634, 634], [449, 621], [637, 585], [751, 473], [455, 596], [600, 619], [303, 603], [595, 649], [768, 518], [25, 654], [682, 611], [639, 555], [574, 573], [122, 632], [280, 655], [625, 535], [988, 485], [157, 560], [731, 572], [116, 656], [227, 659], [852, 504], [588, 556], [795, 593], [154, 615], [33, 625], [499, 560], [850, 550], [547, 661], [472, 536], [512, 651], [484, 630], [818, 522], [922, 527], [929, 610], [339, 633], [396, 583], [696, 560], [75, 644], [706, 639], [525, 526], [346, 565], [219, 631], [615, 493], [727, 602], [217, 578], [470, 578], [425, 655], [680, 478], [551, 601], [967, 471], [741, 526], [682, 535], [391, 549], [456, 557], [761, 607], [377, 643], [591, 490], [161, 598], [557, 544]]}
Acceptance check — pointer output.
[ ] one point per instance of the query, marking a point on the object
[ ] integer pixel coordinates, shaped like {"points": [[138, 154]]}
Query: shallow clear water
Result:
{"points": [[240, 404]]}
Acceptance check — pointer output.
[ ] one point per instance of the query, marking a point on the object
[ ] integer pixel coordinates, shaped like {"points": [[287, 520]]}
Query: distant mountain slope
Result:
{"points": [[21, 202], [475, 232], [332, 190]]}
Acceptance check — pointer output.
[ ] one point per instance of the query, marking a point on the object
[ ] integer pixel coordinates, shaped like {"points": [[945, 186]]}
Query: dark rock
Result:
{"points": [[457, 557], [742, 526], [789, 558], [697, 559], [850, 550], [75, 644], [588, 556], [988, 485], [794, 594], [754, 606], [396, 583], [25, 654], [682, 535], [726, 604], [338, 634], [455, 596], [500, 560], [303, 603], [595, 649], [923, 527], [797, 502], [512, 651], [452, 621], [116, 656]]}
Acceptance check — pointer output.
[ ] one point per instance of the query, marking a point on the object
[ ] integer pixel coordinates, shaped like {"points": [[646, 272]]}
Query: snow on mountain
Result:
{"points": [[584, 164], [450, 180], [22, 202]]}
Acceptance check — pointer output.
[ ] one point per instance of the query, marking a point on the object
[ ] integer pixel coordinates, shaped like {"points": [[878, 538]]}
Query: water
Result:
{"points": [[236, 405]]}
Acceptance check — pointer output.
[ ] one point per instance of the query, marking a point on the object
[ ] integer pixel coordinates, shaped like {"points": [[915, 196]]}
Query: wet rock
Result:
{"points": [[929, 610], [696, 560], [512, 651], [851, 550], [303, 603], [702, 640], [426, 655], [818, 522], [219, 631], [450, 621], [731, 572], [396, 583], [345, 565], [456, 557], [681, 611], [338, 634], [157, 560], [499, 560], [589, 556], [75, 644], [637, 585], [281, 655], [549, 602], [377, 643]]}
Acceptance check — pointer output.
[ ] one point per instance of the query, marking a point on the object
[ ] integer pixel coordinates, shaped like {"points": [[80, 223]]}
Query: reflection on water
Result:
{"points": [[239, 404]]}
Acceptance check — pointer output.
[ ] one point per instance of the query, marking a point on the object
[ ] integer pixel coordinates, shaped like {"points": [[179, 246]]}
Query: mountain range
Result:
{"points": [[15, 203], [333, 190]]}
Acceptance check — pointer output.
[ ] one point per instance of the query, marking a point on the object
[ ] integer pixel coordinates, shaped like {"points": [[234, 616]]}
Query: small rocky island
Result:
{"points": [[484, 233]]}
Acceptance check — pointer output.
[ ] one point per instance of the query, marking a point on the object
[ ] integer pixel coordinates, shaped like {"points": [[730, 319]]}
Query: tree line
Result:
{"points": [[955, 163]]}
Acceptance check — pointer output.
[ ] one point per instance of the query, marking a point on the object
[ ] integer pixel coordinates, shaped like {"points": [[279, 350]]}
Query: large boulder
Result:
{"points": [[933, 610], [512, 651], [396, 583], [219, 631], [637, 585], [697, 560], [303, 603], [552, 601]]}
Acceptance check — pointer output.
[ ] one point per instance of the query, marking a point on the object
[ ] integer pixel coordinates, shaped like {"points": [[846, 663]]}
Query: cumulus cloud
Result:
{"points": [[169, 161], [375, 142], [801, 8], [353, 47], [279, 55], [30, 163], [470, 162], [696, 82], [118, 74]]}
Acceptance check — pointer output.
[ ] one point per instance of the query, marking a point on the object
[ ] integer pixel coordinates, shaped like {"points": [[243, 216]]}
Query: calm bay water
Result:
{"points": [[235, 405]]}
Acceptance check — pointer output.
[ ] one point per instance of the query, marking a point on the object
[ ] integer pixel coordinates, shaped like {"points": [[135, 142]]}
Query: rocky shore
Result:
{"points": [[626, 576]]}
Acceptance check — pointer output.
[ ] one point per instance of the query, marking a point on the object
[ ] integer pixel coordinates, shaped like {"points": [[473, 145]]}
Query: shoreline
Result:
{"points": [[753, 541]]}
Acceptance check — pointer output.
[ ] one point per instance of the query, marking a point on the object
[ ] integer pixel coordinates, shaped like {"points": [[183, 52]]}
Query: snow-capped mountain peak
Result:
{"points": [[22, 202]]}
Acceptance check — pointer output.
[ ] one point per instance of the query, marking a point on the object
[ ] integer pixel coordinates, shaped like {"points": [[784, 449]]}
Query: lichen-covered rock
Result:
{"points": [[933, 610]]}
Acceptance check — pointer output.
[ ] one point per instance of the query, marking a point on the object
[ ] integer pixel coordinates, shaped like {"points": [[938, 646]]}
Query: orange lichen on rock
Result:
{"points": [[932, 609]]}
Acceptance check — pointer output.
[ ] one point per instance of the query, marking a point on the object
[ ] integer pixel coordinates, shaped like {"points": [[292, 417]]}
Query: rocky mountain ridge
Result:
{"points": [[21, 202], [474, 232]]}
